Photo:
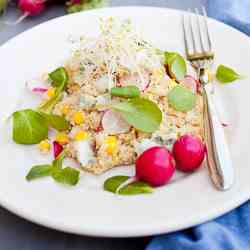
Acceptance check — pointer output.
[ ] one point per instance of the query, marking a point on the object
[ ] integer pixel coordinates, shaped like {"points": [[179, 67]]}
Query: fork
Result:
{"points": [[199, 52]]}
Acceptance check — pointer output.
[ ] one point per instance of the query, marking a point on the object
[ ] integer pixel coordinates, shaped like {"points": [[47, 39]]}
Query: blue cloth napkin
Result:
{"points": [[231, 231]]}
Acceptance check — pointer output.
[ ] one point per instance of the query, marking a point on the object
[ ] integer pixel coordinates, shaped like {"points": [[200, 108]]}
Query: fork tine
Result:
{"points": [[199, 30], [206, 27], [185, 35], [192, 32]]}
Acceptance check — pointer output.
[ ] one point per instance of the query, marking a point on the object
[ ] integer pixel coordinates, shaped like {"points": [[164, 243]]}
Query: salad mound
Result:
{"points": [[99, 70]]}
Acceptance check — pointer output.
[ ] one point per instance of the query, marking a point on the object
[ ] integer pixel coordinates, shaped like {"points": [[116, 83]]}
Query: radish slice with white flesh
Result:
{"points": [[113, 123], [139, 80], [191, 83]]}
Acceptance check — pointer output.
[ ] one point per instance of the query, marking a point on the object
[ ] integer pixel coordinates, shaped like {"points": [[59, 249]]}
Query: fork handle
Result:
{"points": [[218, 155]]}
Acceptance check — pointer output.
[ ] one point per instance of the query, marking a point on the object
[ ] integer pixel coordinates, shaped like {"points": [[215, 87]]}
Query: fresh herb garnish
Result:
{"points": [[141, 113], [176, 65], [181, 98], [29, 127], [127, 92], [39, 171], [57, 122], [66, 175], [57, 163], [59, 77], [225, 74], [138, 187], [85, 5], [48, 106]]}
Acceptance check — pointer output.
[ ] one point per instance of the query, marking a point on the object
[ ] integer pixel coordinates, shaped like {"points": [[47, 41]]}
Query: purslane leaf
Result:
{"points": [[39, 171], [67, 175], [181, 98], [57, 122], [29, 127], [141, 113], [176, 65], [225, 74], [138, 187], [127, 91]]}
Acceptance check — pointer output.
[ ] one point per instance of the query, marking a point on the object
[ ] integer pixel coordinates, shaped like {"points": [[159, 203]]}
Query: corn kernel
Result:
{"points": [[78, 117], [81, 135], [111, 144], [62, 138], [65, 109], [44, 146], [51, 92]]}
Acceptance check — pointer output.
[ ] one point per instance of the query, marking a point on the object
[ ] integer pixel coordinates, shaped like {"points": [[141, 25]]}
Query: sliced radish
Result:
{"points": [[139, 80], [35, 88], [191, 83], [113, 123], [57, 148]]}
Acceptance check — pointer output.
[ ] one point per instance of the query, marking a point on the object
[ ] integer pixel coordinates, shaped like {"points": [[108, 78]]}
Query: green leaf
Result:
{"points": [[67, 175], [57, 122], [57, 163], [48, 106], [59, 77], [226, 75], [176, 65], [29, 127], [127, 92], [39, 171], [87, 5], [181, 99], [141, 113], [137, 187]]}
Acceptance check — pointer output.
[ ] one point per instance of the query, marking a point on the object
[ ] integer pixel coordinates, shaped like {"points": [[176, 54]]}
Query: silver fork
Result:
{"points": [[199, 52]]}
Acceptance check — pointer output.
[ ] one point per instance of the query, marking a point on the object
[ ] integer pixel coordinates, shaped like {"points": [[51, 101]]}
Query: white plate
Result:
{"points": [[86, 209]]}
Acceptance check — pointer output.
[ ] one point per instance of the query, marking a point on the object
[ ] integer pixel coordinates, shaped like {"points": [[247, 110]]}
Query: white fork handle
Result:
{"points": [[218, 155]]}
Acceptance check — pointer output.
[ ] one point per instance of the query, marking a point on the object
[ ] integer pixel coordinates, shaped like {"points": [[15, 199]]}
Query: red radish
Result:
{"points": [[29, 8], [57, 148], [155, 166], [191, 83], [189, 152]]}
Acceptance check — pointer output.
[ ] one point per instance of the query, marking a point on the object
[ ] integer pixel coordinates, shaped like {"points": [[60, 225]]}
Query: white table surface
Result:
{"points": [[19, 234]]}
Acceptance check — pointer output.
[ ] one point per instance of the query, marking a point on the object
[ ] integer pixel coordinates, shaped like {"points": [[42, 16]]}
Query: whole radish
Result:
{"points": [[29, 8], [189, 152], [155, 166]]}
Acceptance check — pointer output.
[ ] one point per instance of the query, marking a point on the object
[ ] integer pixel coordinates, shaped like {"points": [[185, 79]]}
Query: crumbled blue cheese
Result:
{"points": [[84, 152]]}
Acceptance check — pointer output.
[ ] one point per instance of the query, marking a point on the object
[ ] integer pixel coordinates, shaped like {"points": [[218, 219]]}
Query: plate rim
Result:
{"points": [[155, 229]]}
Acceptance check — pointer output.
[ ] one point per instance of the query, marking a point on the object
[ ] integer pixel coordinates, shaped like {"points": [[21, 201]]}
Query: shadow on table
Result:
{"points": [[19, 234]]}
